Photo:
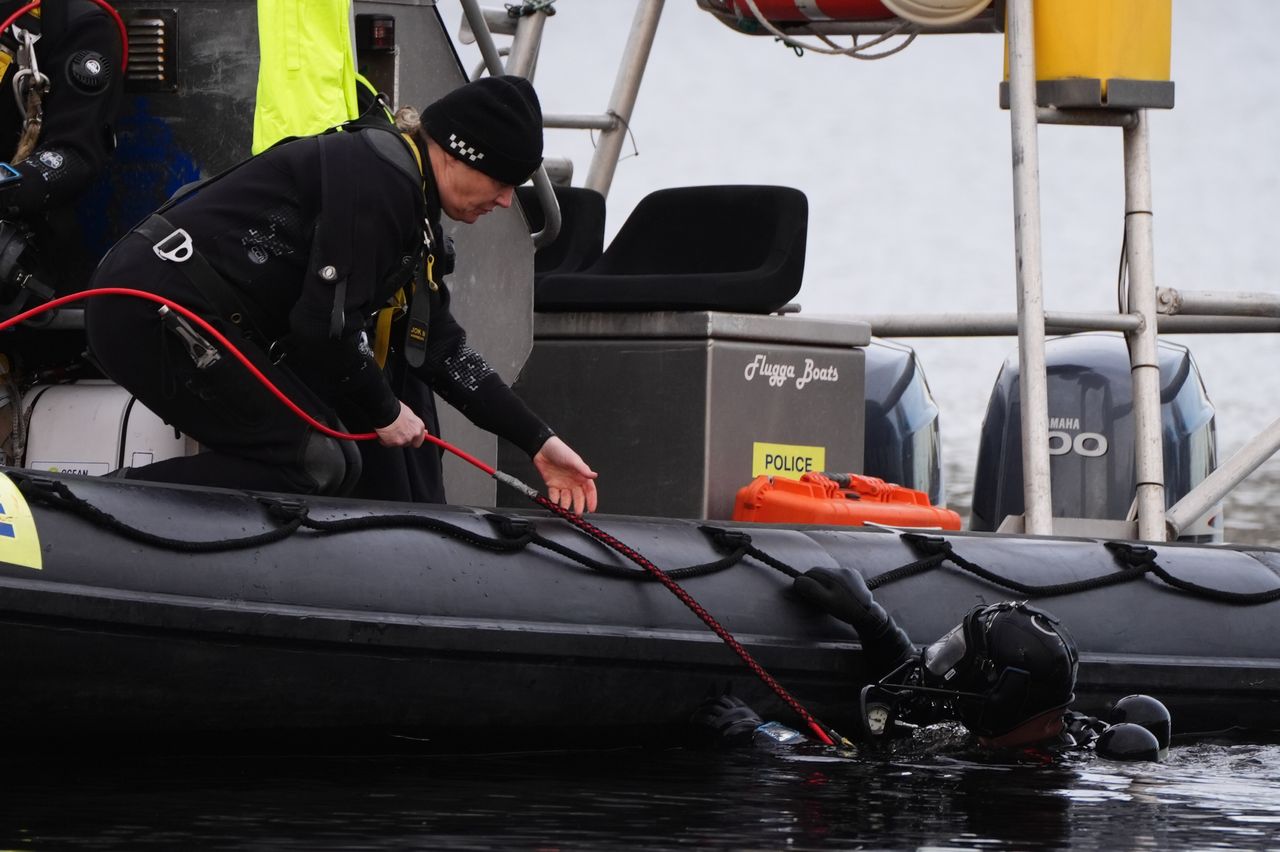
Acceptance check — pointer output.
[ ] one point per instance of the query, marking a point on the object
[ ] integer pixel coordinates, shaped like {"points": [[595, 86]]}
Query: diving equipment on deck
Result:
{"points": [[843, 499]]}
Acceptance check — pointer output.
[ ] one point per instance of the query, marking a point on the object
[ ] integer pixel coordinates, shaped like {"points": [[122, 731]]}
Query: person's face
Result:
{"points": [[466, 194]]}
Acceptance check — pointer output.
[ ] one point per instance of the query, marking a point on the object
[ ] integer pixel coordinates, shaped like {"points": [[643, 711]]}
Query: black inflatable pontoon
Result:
{"points": [[446, 628]]}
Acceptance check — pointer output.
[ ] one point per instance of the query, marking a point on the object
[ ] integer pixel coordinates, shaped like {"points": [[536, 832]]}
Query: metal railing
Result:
{"points": [[1148, 310]]}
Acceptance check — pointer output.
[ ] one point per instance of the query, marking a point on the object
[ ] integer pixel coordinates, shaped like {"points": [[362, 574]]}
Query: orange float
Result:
{"points": [[842, 499]]}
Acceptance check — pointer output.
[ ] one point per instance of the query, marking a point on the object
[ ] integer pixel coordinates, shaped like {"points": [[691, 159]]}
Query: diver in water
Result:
{"points": [[1006, 672]]}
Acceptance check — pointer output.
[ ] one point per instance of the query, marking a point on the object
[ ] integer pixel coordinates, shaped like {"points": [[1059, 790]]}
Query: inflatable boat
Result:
{"points": [[135, 614], [188, 617]]}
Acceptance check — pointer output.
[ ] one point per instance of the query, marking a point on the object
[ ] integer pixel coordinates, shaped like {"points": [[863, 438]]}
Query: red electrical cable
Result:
{"points": [[124, 31], [8, 22], [823, 733]]}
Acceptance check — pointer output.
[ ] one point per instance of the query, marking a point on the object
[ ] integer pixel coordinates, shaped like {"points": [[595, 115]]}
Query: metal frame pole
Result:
{"points": [[523, 58], [484, 39], [493, 61], [1143, 359], [1037, 488], [1219, 484], [623, 100], [1174, 302]]}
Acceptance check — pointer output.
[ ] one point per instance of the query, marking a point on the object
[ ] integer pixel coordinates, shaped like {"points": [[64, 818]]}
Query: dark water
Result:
{"points": [[1206, 796]]}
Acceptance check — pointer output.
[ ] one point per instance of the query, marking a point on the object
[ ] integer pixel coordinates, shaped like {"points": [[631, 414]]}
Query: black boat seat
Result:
{"points": [[721, 248], [581, 237]]}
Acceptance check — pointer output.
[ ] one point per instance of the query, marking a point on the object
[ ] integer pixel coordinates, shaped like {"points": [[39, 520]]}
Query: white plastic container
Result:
{"points": [[93, 427]]}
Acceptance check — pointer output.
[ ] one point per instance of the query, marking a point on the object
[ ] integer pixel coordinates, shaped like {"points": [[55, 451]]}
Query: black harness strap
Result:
{"points": [[176, 246], [415, 332], [333, 249]]}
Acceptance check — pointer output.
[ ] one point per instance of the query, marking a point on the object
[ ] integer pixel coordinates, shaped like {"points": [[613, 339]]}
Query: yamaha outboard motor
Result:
{"points": [[902, 444], [1091, 434]]}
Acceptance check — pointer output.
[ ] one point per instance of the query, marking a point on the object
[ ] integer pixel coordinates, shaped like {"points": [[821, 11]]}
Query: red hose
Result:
{"points": [[124, 31], [576, 520], [8, 22]]}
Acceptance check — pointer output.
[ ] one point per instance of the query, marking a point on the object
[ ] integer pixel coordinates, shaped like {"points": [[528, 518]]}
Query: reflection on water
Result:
{"points": [[1205, 797]]}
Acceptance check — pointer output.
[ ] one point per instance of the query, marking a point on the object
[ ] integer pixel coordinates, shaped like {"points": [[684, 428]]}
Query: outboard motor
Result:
{"points": [[1091, 434], [902, 444]]}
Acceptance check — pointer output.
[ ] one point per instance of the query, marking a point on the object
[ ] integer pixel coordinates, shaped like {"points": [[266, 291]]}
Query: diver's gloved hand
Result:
{"points": [[724, 720], [843, 594]]}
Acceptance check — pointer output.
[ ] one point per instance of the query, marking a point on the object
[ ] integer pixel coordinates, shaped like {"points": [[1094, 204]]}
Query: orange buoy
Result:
{"points": [[843, 499]]}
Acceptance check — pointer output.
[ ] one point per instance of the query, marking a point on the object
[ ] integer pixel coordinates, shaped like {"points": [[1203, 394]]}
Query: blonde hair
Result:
{"points": [[408, 120]]}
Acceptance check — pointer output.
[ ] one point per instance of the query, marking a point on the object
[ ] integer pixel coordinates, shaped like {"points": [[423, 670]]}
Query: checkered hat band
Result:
{"points": [[463, 150]]}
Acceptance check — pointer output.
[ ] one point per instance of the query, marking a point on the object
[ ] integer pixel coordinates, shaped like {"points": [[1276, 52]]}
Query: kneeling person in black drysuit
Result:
{"points": [[288, 255], [1007, 673]]}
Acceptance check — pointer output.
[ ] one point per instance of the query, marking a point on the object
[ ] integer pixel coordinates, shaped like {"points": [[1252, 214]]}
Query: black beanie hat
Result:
{"points": [[493, 124]]}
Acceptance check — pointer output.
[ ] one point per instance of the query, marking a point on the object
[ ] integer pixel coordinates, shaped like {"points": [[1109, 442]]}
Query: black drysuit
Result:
{"points": [[80, 51], [308, 280]]}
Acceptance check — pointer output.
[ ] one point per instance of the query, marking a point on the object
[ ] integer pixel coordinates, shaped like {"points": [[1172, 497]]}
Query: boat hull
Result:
{"points": [[396, 637]]}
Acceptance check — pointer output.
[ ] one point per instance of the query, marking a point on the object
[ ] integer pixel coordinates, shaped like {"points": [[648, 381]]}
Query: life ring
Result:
{"points": [[938, 13], [786, 11]]}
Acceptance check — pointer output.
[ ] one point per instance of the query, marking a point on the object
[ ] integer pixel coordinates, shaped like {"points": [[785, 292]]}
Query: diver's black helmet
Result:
{"points": [[1007, 663]]}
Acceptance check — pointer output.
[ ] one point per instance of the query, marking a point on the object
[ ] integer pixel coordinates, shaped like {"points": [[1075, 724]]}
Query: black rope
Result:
{"points": [[57, 495], [1140, 555], [940, 548], [911, 569], [516, 534], [384, 522], [513, 533], [737, 542], [640, 574], [1135, 562]]}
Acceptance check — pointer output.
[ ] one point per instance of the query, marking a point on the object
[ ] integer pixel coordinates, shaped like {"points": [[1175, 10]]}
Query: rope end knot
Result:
{"points": [[726, 541], [508, 526], [926, 545], [1131, 555], [284, 510]]}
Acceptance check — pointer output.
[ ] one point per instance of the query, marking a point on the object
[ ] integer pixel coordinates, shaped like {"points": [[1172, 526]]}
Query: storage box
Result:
{"points": [[677, 410], [94, 427]]}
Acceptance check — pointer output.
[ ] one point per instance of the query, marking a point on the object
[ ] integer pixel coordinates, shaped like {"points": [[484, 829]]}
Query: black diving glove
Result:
{"points": [[843, 594], [724, 720]]}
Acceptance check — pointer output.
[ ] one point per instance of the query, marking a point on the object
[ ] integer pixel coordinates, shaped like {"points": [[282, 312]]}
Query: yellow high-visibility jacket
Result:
{"points": [[307, 70]]}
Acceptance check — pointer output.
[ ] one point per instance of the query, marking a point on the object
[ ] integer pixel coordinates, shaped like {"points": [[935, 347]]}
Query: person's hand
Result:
{"points": [[570, 482], [724, 720], [407, 430], [843, 593]]}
